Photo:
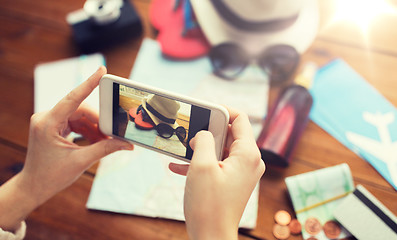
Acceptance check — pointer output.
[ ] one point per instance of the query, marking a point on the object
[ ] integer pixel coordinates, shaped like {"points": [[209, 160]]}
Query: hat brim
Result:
{"points": [[300, 34], [138, 119]]}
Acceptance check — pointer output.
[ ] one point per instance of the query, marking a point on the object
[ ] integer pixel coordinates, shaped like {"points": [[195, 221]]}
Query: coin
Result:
{"points": [[312, 226], [282, 217], [295, 227], [332, 229], [281, 232]]}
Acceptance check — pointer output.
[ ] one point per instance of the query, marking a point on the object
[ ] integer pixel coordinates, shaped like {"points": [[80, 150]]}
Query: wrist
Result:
{"points": [[211, 234], [218, 236], [16, 203], [32, 190]]}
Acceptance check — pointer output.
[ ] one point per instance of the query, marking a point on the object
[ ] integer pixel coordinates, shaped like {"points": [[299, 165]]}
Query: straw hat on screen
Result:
{"points": [[257, 24], [161, 109]]}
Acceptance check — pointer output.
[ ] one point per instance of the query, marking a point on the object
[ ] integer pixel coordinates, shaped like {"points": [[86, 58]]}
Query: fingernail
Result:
{"points": [[127, 147], [100, 68]]}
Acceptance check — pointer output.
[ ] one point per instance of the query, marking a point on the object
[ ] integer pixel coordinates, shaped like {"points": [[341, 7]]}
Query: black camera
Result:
{"points": [[103, 23]]}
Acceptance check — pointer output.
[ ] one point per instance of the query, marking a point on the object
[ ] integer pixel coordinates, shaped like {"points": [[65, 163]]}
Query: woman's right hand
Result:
{"points": [[217, 192]]}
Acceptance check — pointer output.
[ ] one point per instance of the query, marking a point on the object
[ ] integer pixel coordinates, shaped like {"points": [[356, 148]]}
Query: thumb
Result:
{"points": [[203, 145], [96, 151]]}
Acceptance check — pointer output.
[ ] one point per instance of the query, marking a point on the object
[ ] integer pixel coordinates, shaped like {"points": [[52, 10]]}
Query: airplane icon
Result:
{"points": [[384, 150]]}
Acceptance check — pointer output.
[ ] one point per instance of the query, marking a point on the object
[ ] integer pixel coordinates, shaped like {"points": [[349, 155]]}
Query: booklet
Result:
{"points": [[356, 114]]}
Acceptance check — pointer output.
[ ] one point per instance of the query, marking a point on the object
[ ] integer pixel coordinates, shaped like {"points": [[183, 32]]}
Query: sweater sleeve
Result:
{"points": [[18, 235]]}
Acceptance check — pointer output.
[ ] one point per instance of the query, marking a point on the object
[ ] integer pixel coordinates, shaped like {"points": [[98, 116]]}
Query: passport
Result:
{"points": [[356, 114]]}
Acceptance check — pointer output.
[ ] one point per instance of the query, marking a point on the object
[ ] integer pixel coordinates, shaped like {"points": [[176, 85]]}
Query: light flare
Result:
{"points": [[361, 12]]}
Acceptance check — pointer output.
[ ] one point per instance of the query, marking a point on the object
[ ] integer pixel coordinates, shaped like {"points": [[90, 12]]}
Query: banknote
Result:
{"points": [[318, 193]]}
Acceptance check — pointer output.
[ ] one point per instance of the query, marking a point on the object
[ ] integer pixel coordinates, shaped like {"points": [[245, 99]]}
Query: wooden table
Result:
{"points": [[33, 32]]}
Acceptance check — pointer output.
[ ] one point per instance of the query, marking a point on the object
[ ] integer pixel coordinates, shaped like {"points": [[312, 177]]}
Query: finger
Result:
{"points": [[229, 138], [240, 125], [72, 101], [85, 111], [203, 146], [96, 151], [85, 121], [242, 142], [180, 169], [233, 114], [88, 129]]}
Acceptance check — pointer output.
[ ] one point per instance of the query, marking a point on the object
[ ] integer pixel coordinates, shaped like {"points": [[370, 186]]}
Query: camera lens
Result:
{"points": [[103, 11]]}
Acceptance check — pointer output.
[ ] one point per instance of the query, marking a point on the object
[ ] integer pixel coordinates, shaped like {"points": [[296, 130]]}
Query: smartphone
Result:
{"points": [[157, 119]]}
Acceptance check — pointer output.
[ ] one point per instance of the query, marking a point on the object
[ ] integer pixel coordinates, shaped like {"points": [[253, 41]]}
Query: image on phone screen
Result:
{"points": [[157, 121]]}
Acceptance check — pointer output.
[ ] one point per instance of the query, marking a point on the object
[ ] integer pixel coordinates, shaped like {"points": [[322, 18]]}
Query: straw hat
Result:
{"points": [[257, 24], [161, 109]]}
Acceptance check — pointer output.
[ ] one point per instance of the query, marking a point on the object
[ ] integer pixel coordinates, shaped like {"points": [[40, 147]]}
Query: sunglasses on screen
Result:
{"points": [[278, 61], [166, 131]]}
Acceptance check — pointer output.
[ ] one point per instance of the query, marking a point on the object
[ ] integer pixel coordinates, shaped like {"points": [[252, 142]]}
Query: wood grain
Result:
{"points": [[34, 32]]}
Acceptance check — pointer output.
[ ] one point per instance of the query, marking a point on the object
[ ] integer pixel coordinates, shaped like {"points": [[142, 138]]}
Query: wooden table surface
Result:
{"points": [[33, 32]]}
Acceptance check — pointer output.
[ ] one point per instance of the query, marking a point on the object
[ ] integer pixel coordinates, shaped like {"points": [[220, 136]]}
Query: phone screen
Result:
{"points": [[157, 121]]}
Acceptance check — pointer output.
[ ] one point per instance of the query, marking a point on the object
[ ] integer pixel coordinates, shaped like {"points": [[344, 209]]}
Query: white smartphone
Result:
{"points": [[157, 119]]}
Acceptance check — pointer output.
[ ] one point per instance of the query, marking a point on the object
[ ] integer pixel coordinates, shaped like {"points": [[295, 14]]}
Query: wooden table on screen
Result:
{"points": [[33, 32]]}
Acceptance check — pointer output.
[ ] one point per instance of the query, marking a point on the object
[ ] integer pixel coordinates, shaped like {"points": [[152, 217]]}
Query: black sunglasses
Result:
{"points": [[166, 131], [278, 61]]}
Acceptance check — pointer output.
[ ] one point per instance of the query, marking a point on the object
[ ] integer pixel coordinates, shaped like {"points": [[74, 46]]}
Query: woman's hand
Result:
{"points": [[53, 163], [217, 192]]}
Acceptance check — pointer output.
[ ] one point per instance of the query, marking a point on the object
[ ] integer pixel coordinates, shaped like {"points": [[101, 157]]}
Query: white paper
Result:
{"points": [[247, 96], [54, 80], [139, 182]]}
